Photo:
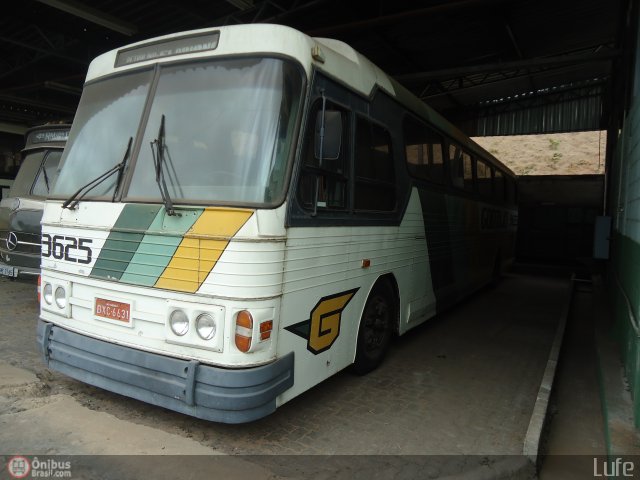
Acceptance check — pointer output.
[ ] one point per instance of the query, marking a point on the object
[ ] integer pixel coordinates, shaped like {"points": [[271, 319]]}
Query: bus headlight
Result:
{"points": [[205, 326], [196, 326], [55, 296], [179, 322], [47, 293], [61, 298]]}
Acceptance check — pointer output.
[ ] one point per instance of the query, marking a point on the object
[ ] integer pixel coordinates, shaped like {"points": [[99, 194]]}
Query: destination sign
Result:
{"points": [[46, 136], [168, 48]]}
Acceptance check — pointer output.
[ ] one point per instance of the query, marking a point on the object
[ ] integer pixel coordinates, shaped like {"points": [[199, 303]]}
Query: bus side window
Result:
{"points": [[484, 179], [423, 149], [498, 186], [461, 168], [436, 164], [467, 166], [329, 175], [374, 170], [456, 166]]}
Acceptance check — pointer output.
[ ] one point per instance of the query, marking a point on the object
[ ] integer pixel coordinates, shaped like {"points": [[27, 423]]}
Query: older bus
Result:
{"points": [[21, 209], [242, 212]]}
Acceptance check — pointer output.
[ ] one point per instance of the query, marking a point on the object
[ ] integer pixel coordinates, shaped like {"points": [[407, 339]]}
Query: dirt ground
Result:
{"points": [[577, 153]]}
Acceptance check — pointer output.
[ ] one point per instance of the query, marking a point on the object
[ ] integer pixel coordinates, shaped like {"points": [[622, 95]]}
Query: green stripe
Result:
{"points": [[158, 246], [123, 241]]}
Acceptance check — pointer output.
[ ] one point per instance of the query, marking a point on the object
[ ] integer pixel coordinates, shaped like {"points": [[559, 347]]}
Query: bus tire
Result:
{"points": [[376, 327]]}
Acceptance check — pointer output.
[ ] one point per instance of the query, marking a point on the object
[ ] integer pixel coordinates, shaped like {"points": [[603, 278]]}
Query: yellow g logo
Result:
{"points": [[323, 327]]}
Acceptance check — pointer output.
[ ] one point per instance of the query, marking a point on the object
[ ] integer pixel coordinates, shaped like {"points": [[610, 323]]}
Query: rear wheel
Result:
{"points": [[376, 327]]}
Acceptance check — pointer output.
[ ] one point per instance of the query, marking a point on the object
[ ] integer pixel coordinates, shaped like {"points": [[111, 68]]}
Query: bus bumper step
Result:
{"points": [[189, 387]]}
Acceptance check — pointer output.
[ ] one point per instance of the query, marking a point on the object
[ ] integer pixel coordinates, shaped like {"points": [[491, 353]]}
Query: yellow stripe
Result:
{"points": [[201, 248]]}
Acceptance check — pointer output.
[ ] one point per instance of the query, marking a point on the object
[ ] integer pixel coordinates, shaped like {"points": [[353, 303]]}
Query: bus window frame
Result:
{"points": [[372, 181], [374, 107], [444, 179], [307, 150], [490, 169]]}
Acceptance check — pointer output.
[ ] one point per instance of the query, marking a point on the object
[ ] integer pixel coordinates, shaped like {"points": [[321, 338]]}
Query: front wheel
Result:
{"points": [[376, 326]]}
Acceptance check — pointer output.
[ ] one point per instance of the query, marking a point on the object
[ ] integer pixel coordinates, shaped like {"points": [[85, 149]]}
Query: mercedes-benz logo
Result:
{"points": [[12, 241]]}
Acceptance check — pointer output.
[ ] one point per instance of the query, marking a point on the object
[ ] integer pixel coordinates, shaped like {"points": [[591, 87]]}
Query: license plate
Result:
{"points": [[112, 310], [8, 271]]}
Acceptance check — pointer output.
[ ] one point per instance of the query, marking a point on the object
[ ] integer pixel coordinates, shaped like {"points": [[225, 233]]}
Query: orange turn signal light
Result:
{"points": [[244, 331], [265, 329], [243, 343]]}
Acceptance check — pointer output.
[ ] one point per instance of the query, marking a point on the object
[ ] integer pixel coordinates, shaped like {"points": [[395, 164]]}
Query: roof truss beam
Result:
{"points": [[92, 15], [559, 61]]}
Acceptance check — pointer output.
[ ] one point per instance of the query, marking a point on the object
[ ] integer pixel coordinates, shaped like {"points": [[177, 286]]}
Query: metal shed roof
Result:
{"points": [[472, 60]]}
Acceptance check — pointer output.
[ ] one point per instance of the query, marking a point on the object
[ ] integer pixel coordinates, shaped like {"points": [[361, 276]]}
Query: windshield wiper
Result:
{"points": [[158, 161], [46, 178], [72, 202]]}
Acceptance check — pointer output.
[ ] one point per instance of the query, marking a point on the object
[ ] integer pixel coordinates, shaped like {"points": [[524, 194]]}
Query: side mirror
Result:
{"points": [[328, 140]]}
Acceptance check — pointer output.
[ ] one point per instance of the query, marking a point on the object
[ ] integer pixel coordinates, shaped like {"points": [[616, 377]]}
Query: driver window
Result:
{"points": [[329, 176]]}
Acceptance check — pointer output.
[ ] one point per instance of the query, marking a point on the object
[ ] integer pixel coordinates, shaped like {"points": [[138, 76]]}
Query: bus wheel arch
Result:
{"points": [[378, 323]]}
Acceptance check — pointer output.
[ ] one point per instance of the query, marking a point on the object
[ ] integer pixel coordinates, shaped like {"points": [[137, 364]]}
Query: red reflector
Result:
{"points": [[266, 326], [265, 335], [265, 329]]}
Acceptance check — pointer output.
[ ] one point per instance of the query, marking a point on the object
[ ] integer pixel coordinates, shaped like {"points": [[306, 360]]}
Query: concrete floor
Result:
{"points": [[454, 395], [576, 424]]}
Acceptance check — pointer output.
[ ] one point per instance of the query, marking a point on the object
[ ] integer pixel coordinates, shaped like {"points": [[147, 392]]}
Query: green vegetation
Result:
{"points": [[526, 170]]}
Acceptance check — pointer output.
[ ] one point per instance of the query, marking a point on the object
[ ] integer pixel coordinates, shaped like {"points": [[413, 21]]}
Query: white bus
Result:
{"points": [[242, 212]]}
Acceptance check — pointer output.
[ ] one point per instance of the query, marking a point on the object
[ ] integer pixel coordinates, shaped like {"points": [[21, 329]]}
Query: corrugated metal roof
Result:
{"points": [[555, 110]]}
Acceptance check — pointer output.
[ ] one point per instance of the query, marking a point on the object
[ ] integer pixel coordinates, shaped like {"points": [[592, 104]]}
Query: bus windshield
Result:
{"points": [[228, 129]]}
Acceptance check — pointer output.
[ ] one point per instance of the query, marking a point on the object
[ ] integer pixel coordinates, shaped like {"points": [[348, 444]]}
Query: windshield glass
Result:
{"points": [[47, 174], [227, 134], [26, 175], [108, 115]]}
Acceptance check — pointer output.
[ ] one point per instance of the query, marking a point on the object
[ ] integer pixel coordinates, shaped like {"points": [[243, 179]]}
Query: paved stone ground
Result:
{"points": [[464, 383]]}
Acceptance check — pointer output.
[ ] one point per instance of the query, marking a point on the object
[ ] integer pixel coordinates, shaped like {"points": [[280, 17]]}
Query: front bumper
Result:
{"points": [[18, 270], [21, 263], [202, 391]]}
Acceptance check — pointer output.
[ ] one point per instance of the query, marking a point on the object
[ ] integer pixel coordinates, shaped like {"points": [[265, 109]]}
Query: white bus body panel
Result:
{"points": [[323, 265], [248, 275]]}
